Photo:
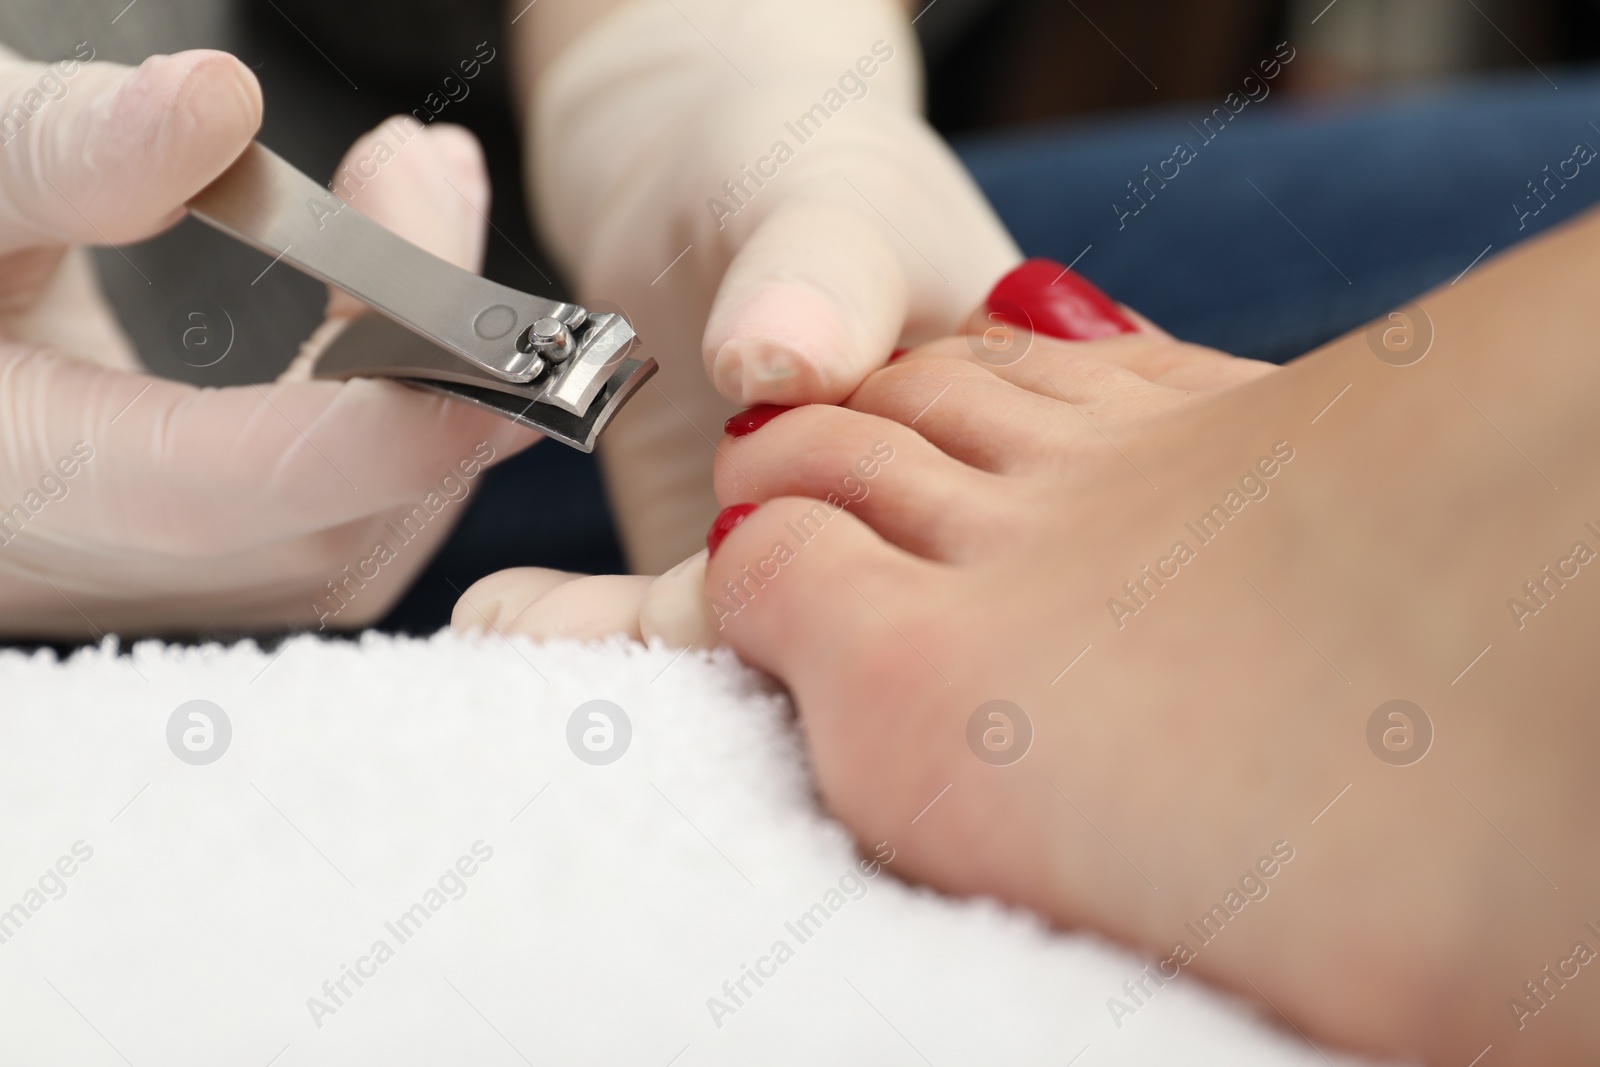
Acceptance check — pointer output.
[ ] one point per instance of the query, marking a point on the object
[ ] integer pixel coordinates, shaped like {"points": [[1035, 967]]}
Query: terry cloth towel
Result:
{"points": [[396, 852]]}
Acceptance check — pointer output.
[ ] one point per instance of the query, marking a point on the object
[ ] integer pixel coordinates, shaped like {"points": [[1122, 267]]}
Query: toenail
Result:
{"points": [[725, 523], [1045, 297], [750, 420]]}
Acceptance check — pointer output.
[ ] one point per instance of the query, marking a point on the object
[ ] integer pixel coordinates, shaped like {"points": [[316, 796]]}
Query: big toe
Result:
{"points": [[801, 587]]}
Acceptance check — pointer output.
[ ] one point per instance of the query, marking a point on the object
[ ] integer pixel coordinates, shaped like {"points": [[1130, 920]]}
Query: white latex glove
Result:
{"points": [[866, 236], [544, 604], [136, 505]]}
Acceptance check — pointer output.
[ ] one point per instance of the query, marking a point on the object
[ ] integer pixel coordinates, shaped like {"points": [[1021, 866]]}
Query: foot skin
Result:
{"points": [[1196, 580]]}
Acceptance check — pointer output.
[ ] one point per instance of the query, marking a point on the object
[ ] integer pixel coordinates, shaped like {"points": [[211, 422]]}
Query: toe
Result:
{"points": [[970, 413], [862, 634], [1036, 361], [1173, 364], [1103, 373], [913, 494], [799, 587]]}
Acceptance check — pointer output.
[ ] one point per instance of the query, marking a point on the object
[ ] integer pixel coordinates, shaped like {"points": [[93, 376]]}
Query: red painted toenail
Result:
{"points": [[897, 353], [752, 419], [1045, 297], [725, 523]]}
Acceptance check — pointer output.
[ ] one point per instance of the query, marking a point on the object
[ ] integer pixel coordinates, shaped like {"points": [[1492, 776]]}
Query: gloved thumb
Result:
{"points": [[813, 302], [98, 153], [880, 240]]}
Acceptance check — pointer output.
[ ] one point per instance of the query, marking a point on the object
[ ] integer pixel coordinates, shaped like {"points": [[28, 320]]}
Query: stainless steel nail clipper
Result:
{"points": [[543, 363]]}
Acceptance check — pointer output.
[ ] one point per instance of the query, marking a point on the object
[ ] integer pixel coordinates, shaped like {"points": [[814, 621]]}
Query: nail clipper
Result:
{"points": [[543, 363]]}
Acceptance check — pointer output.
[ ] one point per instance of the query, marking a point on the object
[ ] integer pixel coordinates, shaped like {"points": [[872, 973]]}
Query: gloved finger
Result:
{"points": [[813, 302], [98, 153], [881, 240], [675, 609], [208, 471], [546, 605], [429, 185], [541, 603], [58, 304], [490, 603]]}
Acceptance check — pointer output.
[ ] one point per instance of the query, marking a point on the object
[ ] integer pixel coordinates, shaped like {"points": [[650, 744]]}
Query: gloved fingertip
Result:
{"points": [[475, 613], [207, 106], [587, 608], [727, 373], [753, 371], [784, 344], [491, 604], [461, 157], [156, 136], [218, 84], [674, 609], [455, 144]]}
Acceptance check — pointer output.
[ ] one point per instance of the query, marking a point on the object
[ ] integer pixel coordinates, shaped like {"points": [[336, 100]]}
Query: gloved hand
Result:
{"points": [[779, 149], [134, 505]]}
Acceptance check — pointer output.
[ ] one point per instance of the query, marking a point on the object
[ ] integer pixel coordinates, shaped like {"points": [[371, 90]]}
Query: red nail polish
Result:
{"points": [[1045, 297], [752, 419], [725, 522], [897, 353]]}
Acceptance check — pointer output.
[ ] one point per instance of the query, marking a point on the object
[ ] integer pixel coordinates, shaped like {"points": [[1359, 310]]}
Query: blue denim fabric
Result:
{"points": [[1294, 224]]}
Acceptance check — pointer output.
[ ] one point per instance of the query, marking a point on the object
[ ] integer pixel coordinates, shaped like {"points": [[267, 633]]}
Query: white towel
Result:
{"points": [[560, 911]]}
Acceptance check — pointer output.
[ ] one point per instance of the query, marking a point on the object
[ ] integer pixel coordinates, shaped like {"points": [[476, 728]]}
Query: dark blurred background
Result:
{"points": [[1033, 61], [332, 70]]}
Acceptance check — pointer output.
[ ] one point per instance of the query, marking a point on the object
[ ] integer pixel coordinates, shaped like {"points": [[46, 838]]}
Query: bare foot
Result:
{"points": [[1196, 586]]}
